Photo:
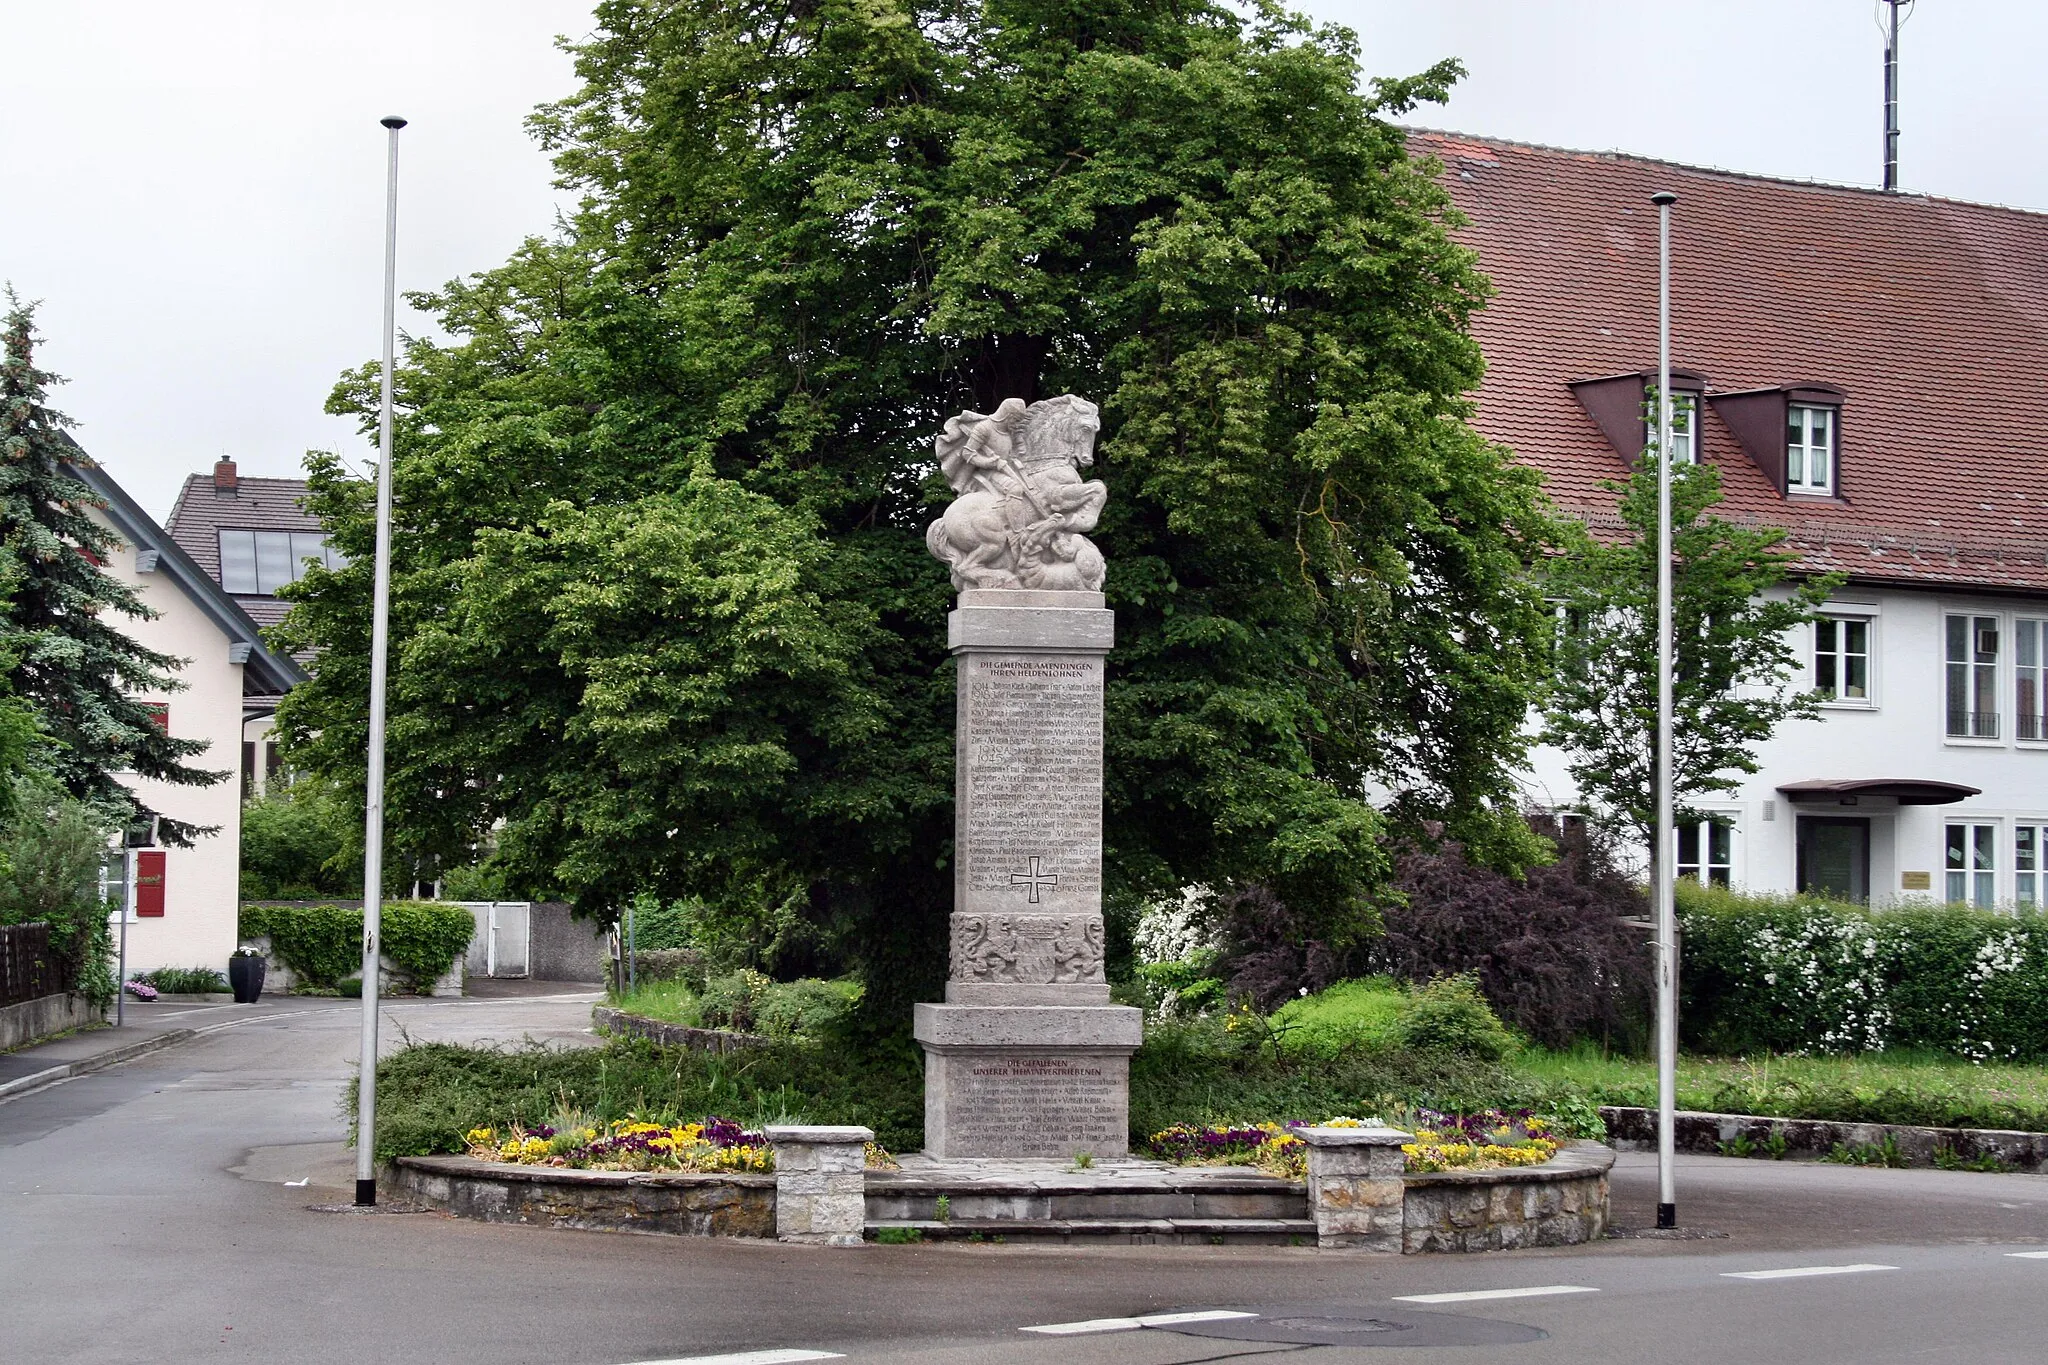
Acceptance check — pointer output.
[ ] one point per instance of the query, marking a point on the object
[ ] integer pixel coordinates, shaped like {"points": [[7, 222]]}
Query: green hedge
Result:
{"points": [[324, 943], [1775, 973]]}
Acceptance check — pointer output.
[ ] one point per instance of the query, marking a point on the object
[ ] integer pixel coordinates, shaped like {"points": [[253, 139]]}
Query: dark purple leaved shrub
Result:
{"points": [[1548, 949]]}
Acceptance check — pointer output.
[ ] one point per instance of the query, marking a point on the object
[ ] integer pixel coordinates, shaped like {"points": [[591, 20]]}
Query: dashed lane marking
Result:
{"points": [[1072, 1329], [749, 1358], [2029, 1255], [1527, 1292], [1801, 1271]]}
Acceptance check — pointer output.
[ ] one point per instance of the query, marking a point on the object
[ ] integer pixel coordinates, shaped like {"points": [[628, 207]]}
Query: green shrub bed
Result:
{"points": [[1774, 974], [185, 980], [324, 943], [748, 1002]]}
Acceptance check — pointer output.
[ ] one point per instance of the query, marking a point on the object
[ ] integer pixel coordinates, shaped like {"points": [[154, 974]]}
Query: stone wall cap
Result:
{"points": [[1353, 1137], [820, 1133], [1056, 1027], [1573, 1162], [470, 1168]]}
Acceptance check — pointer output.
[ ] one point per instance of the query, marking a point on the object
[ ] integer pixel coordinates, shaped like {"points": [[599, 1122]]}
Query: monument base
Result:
{"points": [[1046, 1081]]}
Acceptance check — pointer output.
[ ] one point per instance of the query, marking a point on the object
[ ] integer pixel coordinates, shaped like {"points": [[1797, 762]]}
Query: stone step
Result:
{"points": [[1121, 1191], [1133, 1231]]}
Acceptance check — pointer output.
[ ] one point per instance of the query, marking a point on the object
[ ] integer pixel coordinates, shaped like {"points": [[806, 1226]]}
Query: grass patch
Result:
{"points": [[1927, 1088], [672, 1002]]}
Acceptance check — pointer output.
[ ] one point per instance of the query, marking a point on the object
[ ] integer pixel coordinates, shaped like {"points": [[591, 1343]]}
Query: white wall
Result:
{"points": [[1901, 734], [201, 884]]}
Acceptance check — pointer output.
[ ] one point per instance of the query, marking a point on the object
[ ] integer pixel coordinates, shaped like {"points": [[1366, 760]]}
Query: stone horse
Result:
{"points": [[1023, 510]]}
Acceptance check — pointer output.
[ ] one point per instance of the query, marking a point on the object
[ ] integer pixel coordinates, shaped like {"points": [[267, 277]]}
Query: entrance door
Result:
{"points": [[1834, 857]]}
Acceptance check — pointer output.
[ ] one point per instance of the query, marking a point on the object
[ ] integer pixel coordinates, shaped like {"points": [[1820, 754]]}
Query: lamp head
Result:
{"points": [[392, 121], [1663, 197]]}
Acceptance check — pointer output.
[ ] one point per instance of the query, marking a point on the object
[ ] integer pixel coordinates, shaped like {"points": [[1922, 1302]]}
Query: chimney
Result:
{"points": [[224, 479]]}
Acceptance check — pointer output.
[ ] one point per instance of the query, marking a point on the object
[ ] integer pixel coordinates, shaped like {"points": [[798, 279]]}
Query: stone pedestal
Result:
{"points": [[1355, 1188], [1027, 1057], [820, 1183]]}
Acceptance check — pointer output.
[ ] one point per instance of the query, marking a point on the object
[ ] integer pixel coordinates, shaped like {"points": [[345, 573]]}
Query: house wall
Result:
{"points": [[1900, 734], [201, 884]]}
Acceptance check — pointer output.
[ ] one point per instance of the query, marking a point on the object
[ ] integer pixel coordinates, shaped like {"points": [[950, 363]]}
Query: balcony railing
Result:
{"points": [[1973, 725], [2032, 726]]}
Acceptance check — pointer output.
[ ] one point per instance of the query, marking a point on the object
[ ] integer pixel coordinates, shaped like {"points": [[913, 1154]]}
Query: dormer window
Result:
{"points": [[1809, 449], [1684, 421]]}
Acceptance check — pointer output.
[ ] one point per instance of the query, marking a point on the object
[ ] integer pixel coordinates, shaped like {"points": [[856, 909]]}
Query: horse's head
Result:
{"points": [[1060, 431]]}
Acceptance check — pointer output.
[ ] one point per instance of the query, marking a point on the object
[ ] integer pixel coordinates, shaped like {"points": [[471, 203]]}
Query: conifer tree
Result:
{"points": [[67, 655]]}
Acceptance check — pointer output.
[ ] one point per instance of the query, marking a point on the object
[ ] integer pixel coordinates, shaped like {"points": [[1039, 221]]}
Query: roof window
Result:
{"points": [[1792, 432], [1809, 448], [258, 563]]}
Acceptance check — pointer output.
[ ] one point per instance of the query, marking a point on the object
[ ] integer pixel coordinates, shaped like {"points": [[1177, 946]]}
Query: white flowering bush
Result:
{"points": [[1785, 975], [1177, 948]]}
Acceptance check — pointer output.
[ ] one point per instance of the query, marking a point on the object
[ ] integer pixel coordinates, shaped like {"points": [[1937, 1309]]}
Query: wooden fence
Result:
{"points": [[27, 970]]}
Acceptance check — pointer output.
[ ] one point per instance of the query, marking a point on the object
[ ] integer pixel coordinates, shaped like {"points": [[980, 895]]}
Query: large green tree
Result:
{"points": [[664, 616], [1735, 607], [62, 641]]}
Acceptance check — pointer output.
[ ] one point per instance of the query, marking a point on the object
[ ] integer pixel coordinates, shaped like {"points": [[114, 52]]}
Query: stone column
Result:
{"points": [[1355, 1189], [820, 1183], [1027, 1057]]}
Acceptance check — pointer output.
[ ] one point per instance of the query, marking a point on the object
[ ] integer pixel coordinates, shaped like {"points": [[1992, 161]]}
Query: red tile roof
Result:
{"points": [[1931, 314], [201, 514]]}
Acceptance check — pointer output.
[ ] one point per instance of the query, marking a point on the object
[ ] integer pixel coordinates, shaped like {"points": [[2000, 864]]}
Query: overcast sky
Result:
{"points": [[194, 191]]}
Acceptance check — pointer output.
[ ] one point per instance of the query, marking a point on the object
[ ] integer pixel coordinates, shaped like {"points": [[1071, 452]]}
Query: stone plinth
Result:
{"points": [[1027, 1057], [1355, 1186], [820, 1183]]}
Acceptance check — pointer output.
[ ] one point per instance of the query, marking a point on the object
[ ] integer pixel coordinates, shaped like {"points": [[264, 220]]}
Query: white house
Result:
{"points": [[1861, 368], [187, 899]]}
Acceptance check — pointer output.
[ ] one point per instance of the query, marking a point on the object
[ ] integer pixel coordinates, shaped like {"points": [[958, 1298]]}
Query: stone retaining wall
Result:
{"points": [[609, 1020], [28, 1020], [1563, 1202], [1635, 1129], [688, 1204]]}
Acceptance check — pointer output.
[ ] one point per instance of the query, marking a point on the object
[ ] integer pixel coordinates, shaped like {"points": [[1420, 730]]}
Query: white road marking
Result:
{"points": [[2029, 1255], [749, 1358], [1530, 1292], [1071, 1329], [1799, 1271]]}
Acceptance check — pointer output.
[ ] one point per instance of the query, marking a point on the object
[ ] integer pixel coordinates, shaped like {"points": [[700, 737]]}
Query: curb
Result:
{"points": [[23, 1085]]}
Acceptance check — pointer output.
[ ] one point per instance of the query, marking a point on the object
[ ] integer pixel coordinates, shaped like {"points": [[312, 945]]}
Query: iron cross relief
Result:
{"points": [[1035, 879]]}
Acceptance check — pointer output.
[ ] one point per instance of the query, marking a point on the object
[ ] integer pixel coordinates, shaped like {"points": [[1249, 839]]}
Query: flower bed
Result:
{"points": [[1443, 1142], [713, 1145]]}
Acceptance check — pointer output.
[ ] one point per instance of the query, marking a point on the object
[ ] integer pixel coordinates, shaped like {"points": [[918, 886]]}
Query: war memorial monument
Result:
{"points": [[1026, 1057]]}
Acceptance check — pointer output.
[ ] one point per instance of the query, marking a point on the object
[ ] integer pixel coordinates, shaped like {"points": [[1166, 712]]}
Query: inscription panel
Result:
{"points": [[1036, 1106], [1030, 784]]}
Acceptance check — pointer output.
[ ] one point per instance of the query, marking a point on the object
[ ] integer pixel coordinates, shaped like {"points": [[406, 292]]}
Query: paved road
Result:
{"points": [[144, 1217]]}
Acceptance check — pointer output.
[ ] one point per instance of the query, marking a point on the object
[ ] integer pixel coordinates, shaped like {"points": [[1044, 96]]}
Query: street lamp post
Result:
{"points": [[1662, 855], [380, 641]]}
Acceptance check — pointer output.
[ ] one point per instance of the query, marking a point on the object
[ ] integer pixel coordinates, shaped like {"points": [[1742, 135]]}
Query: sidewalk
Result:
{"points": [[150, 1027]]}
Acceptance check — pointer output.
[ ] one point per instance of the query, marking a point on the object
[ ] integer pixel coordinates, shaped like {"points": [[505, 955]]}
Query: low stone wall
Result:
{"points": [[1635, 1129], [616, 1021], [29, 1020], [690, 1205], [1563, 1202]]}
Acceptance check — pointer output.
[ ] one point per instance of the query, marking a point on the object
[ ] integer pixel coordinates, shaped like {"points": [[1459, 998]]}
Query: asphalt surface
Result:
{"points": [[145, 1215]]}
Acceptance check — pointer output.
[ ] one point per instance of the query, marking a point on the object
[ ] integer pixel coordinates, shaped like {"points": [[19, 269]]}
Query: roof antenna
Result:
{"points": [[1891, 91]]}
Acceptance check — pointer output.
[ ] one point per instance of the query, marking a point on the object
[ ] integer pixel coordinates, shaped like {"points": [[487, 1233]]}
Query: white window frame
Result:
{"points": [[1841, 616], [1685, 413], [1800, 417], [2030, 637], [2029, 863], [1974, 883], [1974, 623], [1704, 861]]}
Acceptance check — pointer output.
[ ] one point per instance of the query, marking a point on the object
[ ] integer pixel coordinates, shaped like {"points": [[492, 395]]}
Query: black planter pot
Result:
{"points": [[245, 974]]}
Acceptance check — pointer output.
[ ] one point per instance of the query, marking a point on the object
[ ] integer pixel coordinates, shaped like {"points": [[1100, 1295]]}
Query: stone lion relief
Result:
{"points": [[1023, 510], [1027, 950]]}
